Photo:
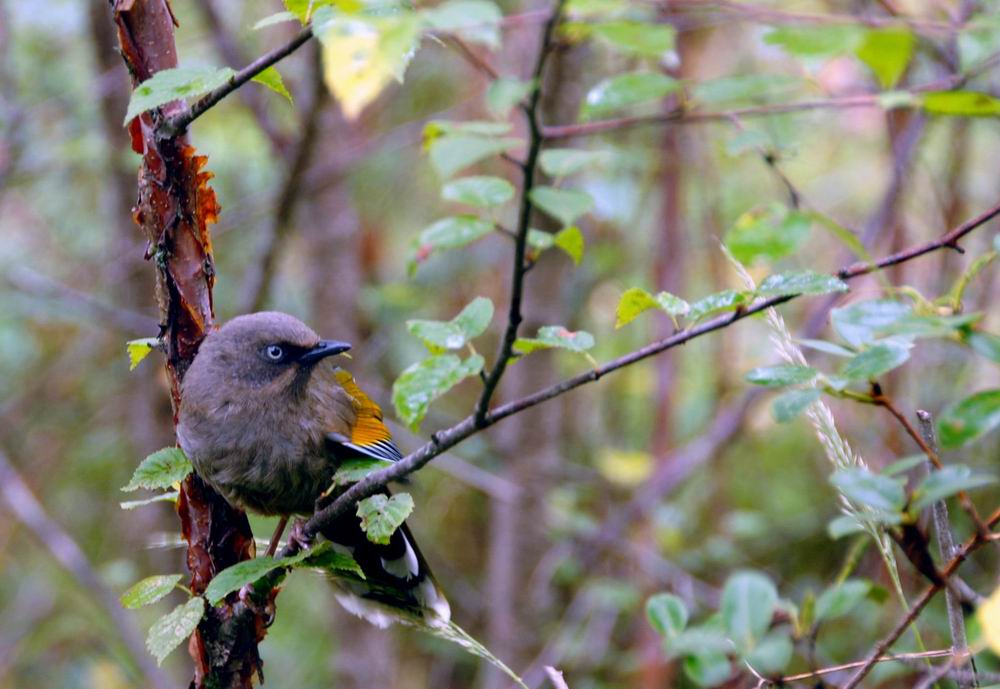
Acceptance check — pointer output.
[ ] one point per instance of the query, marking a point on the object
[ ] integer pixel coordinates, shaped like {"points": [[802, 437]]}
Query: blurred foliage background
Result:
{"points": [[515, 521]]}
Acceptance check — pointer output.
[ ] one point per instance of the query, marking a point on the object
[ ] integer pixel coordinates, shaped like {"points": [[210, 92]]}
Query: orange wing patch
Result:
{"points": [[369, 434]]}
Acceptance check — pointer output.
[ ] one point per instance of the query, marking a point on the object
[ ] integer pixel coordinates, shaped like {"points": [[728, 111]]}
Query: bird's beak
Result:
{"points": [[322, 350]]}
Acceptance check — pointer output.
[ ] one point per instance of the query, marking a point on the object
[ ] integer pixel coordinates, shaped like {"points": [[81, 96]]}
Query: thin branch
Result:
{"points": [[472, 57], [443, 440], [946, 548], [901, 658], [971, 545], [514, 317], [177, 124], [24, 506]]}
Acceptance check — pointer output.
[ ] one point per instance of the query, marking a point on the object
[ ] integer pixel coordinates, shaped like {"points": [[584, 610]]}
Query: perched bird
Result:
{"points": [[266, 417]]}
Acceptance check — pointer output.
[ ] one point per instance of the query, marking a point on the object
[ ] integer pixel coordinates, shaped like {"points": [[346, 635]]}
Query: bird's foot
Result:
{"points": [[297, 538], [265, 611]]}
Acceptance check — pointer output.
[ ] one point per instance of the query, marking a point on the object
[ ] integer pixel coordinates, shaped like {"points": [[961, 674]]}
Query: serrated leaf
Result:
{"points": [[565, 205], [562, 162], [792, 403], [637, 38], [962, 103], [177, 83], [139, 349], [625, 90], [505, 93], [353, 470], [171, 630], [482, 192], [749, 600], [555, 336], [881, 493], [161, 469], [782, 374], [636, 301], [945, 482], [425, 381], [456, 333], [170, 496], [667, 614], [475, 21], [271, 78], [149, 590], [570, 240], [451, 154], [381, 515], [769, 233], [800, 282], [361, 57], [720, 302], [887, 52], [859, 323], [838, 601], [969, 419], [877, 360]]}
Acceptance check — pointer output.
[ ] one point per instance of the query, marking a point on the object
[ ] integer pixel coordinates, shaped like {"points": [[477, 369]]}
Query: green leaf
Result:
{"points": [[887, 52], [667, 614], [963, 103], [171, 630], [149, 590], [170, 496], [792, 403], [565, 205], [636, 301], [483, 192], [451, 154], [139, 350], [555, 336], [815, 41], [505, 93], [772, 653], [353, 470], [707, 668], [901, 466], [876, 360], [858, 323], [881, 493], [474, 21], [624, 90], [637, 38], [304, 10], [783, 374], [540, 240], [828, 347], [425, 381], [838, 601], [175, 84], [800, 282], [973, 417], [749, 600], [448, 233], [708, 637], [930, 325], [456, 333], [745, 87], [161, 469], [570, 240], [436, 129], [324, 557], [844, 525], [276, 18], [562, 162], [985, 343], [271, 78], [945, 482], [767, 233], [726, 300], [381, 515]]}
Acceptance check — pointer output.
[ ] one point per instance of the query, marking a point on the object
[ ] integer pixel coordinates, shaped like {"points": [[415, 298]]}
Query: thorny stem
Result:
{"points": [[519, 269]]}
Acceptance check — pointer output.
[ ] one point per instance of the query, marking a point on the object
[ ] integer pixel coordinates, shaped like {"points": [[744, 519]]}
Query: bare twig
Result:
{"points": [[946, 548], [24, 506], [556, 677]]}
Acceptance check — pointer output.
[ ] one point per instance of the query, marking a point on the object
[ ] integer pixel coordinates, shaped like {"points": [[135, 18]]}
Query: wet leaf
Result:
{"points": [[161, 469], [381, 515], [456, 333], [945, 482], [451, 154], [859, 323], [555, 336], [720, 302], [877, 360], [970, 419], [474, 21], [562, 162], [636, 301], [149, 590], [564, 205], [353, 470], [637, 38], [783, 374], [792, 403], [625, 90], [881, 493], [177, 83], [767, 233], [425, 381], [800, 282], [171, 630], [482, 192]]}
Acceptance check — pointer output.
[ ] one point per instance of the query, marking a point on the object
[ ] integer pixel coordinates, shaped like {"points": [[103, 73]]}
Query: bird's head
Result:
{"points": [[260, 350]]}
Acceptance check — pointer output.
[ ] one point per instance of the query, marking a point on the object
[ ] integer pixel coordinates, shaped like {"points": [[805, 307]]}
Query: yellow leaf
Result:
{"points": [[623, 467], [361, 57], [989, 619]]}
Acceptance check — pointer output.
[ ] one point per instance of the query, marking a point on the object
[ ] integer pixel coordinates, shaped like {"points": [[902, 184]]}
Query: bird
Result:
{"points": [[266, 417]]}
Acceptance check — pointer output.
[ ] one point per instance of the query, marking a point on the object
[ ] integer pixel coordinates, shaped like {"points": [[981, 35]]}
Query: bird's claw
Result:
{"points": [[266, 611]]}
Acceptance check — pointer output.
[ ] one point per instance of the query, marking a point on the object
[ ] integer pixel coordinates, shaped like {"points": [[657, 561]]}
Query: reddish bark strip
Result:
{"points": [[174, 209]]}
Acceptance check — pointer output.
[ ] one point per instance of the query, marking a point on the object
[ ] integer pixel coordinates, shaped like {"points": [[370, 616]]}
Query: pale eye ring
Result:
{"points": [[274, 352]]}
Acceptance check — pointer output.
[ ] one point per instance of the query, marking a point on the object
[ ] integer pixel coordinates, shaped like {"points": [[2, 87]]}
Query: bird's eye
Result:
{"points": [[274, 352]]}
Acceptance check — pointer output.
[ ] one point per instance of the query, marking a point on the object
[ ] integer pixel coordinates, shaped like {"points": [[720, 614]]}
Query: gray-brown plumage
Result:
{"points": [[266, 417]]}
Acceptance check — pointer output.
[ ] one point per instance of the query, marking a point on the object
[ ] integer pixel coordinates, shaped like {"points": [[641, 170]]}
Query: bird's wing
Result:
{"points": [[368, 434]]}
